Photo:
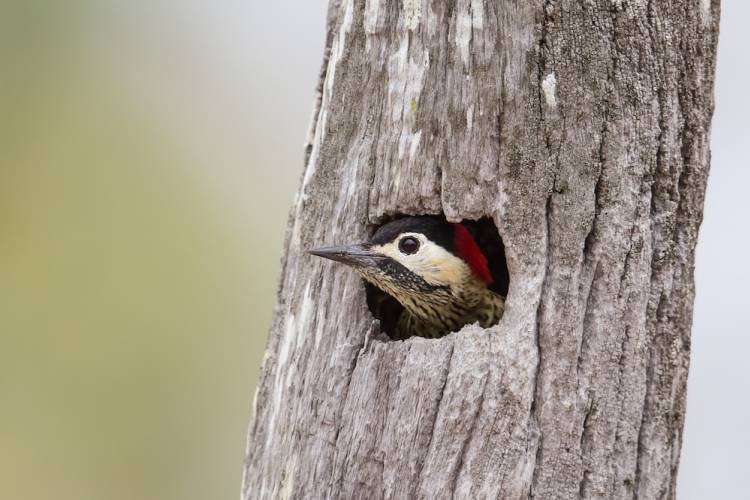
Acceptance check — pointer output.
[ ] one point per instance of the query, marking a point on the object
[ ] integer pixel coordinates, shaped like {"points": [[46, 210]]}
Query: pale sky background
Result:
{"points": [[150, 154]]}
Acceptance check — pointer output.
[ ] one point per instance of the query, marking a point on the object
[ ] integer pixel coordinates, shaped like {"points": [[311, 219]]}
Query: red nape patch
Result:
{"points": [[467, 249]]}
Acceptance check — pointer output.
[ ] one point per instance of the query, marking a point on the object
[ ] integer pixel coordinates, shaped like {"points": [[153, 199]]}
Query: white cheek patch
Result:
{"points": [[433, 263]]}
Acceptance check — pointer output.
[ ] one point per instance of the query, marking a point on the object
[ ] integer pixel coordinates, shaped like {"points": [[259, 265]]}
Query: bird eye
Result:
{"points": [[408, 245]]}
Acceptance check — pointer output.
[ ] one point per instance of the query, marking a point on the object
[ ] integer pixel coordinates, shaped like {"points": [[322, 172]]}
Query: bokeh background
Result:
{"points": [[149, 152]]}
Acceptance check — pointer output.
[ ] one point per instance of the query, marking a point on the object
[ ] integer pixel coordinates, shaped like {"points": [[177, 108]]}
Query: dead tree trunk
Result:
{"points": [[582, 129]]}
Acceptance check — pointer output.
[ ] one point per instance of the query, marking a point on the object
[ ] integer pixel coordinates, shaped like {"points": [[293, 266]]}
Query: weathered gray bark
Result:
{"points": [[582, 128]]}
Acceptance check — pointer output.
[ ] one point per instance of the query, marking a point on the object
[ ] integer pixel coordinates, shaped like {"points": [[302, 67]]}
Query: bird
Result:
{"points": [[433, 268]]}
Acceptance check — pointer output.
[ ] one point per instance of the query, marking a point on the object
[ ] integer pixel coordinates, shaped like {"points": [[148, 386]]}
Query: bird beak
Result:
{"points": [[352, 255]]}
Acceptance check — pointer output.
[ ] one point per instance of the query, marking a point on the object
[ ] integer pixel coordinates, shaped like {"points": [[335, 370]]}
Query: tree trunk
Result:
{"points": [[582, 129]]}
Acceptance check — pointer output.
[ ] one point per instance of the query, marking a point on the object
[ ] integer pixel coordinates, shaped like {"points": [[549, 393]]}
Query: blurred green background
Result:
{"points": [[149, 156]]}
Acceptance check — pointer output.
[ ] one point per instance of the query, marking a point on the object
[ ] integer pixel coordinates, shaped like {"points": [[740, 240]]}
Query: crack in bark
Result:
{"points": [[584, 435], [339, 424], [469, 435], [319, 88], [641, 436], [655, 187], [587, 311], [373, 154], [533, 409], [437, 412]]}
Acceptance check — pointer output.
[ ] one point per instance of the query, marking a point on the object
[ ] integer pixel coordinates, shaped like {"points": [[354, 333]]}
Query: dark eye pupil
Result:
{"points": [[408, 245]]}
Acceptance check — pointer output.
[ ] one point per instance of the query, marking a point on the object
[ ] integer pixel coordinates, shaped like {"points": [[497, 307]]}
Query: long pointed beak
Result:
{"points": [[352, 255]]}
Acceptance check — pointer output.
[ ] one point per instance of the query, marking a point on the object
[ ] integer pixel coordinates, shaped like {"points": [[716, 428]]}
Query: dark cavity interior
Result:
{"points": [[387, 309]]}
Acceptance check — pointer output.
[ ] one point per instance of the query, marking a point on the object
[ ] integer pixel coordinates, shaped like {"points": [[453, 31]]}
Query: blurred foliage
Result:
{"points": [[139, 237]]}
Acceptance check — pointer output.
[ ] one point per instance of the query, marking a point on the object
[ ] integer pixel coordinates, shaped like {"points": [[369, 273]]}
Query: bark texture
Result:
{"points": [[582, 129]]}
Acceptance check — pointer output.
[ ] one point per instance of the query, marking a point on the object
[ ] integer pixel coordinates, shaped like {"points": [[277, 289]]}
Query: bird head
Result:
{"points": [[421, 261]]}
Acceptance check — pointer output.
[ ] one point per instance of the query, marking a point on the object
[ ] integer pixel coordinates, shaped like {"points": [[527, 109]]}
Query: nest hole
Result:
{"points": [[387, 310]]}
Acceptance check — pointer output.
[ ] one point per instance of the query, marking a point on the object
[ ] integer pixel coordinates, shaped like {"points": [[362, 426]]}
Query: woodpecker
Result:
{"points": [[434, 268]]}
